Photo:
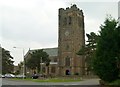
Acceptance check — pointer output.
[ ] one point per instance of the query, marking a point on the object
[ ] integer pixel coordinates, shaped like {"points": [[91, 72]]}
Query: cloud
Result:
{"points": [[29, 23], [34, 23]]}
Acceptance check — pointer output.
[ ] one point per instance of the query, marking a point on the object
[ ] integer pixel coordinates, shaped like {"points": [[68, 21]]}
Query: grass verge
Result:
{"points": [[50, 79]]}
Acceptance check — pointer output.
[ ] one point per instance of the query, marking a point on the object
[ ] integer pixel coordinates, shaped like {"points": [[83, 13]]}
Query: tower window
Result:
{"points": [[67, 61], [67, 47], [70, 20], [79, 22], [52, 69], [65, 21]]}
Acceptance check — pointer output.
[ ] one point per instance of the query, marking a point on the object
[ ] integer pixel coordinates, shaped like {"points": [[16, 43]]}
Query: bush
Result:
{"points": [[76, 73]]}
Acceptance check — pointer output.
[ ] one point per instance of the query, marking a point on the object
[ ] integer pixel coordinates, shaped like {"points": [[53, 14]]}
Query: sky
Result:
{"points": [[119, 10], [33, 24]]}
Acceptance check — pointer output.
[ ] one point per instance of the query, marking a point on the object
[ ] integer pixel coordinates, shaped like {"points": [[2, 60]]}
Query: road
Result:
{"points": [[0, 82], [50, 84]]}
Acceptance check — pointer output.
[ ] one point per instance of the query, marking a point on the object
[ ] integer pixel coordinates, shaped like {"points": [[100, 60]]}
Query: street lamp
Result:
{"points": [[23, 60], [41, 65]]}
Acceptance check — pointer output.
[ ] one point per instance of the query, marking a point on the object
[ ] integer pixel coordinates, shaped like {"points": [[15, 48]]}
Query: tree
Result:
{"points": [[89, 50], [7, 63], [20, 68], [108, 51], [20, 65], [34, 61], [31, 63]]}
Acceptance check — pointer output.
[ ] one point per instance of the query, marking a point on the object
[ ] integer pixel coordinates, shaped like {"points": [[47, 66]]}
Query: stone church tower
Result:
{"points": [[71, 39]]}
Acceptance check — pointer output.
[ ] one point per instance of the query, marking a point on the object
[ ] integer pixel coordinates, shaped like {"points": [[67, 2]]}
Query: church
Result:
{"points": [[64, 58]]}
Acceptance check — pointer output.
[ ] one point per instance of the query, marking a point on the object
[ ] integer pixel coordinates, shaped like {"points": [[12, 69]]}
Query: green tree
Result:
{"points": [[31, 63], [34, 61], [105, 63], [17, 72], [7, 63], [20, 65], [20, 68], [89, 50]]}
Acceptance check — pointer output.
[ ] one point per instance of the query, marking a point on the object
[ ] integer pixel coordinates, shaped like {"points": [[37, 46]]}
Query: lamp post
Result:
{"points": [[41, 65], [23, 60]]}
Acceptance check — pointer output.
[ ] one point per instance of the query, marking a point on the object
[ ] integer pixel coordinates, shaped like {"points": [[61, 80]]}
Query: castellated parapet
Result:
{"points": [[72, 8]]}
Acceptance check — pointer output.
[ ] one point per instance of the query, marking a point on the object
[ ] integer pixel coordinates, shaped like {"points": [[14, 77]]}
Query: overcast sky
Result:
{"points": [[34, 23]]}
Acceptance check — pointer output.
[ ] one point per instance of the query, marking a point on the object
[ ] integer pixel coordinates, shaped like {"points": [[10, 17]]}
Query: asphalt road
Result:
{"points": [[21, 83], [0, 82]]}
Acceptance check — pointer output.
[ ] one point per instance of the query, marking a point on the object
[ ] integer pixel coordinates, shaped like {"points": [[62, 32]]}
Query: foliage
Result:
{"points": [[89, 49], [107, 58], [17, 72], [34, 61], [20, 67], [7, 63], [31, 63], [115, 83]]}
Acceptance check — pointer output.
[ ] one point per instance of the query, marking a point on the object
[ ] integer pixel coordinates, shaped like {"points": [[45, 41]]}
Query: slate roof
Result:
{"points": [[49, 51]]}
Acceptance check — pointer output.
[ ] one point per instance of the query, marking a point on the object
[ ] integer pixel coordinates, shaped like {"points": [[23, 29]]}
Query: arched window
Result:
{"points": [[67, 47], [52, 69], [65, 21], [70, 20], [67, 61]]}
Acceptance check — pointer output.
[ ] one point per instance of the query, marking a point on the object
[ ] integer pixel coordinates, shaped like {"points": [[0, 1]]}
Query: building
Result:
{"points": [[71, 39], [53, 67], [64, 59]]}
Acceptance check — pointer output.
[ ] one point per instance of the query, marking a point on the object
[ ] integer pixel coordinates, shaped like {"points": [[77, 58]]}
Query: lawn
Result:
{"points": [[51, 79]]}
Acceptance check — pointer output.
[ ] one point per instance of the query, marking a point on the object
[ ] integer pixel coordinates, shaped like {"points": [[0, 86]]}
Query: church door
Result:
{"points": [[67, 72]]}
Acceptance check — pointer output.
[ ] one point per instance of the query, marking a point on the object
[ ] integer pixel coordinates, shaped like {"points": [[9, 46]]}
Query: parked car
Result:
{"points": [[2, 76], [20, 76], [35, 76], [9, 76]]}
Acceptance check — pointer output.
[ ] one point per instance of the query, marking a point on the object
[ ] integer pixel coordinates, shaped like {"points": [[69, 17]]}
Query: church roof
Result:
{"points": [[49, 51]]}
